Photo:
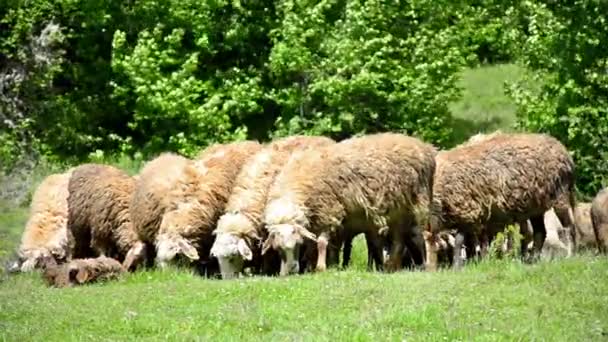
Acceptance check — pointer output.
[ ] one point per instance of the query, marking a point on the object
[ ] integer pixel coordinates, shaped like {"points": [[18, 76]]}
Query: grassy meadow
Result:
{"points": [[489, 301]]}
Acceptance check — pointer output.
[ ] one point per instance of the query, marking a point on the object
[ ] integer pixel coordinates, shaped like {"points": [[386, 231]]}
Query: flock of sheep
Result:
{"points": [[291, 205]]}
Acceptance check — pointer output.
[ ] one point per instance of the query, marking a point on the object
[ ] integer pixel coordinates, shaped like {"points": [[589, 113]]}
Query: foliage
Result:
{"points": [[149, 76], [347, 67], [566, 50]]}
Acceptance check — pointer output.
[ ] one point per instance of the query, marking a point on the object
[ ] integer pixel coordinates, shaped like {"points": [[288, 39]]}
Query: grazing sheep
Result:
{"points": [[99, 223], [239, 231], [178, 201], [376, 184], [585, 237], [599, 218], [45, 233], [498, 180], [82, 271]]}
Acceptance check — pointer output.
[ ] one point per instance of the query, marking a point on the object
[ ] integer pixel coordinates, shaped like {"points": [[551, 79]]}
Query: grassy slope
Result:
{"points": [[491, 301], [484, 107]]}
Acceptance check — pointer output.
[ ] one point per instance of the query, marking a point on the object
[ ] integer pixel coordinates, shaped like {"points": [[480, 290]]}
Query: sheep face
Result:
{"points": [[286, 239], [174, 249], [231, 252], [171, 246]]}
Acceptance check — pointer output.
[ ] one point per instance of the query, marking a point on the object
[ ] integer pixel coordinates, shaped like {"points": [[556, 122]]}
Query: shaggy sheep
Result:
{"points": [[376, 184], [99, 223], [45, 233], [599, 218], [178, 201], [498, 180], [585, 237], [82, 271], [239, 231]]}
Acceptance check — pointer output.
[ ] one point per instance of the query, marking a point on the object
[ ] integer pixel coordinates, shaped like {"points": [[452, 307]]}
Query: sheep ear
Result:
{"points": [[307, 234], [82, 276], [187, 249], [135, 256], [268, 243], [244, 250]]}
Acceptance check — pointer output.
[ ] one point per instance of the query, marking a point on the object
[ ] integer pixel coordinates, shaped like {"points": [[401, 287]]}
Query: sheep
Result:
{"points": [[178, 201], [377, 184], [82, 271], [239, 231], [45, 233], [599, 219], [99, 222], [585, 237], [497, 180]]}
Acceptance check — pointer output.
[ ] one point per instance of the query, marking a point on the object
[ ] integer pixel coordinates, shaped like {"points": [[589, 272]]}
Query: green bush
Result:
{"points": [[566, 50], [343, 68]]}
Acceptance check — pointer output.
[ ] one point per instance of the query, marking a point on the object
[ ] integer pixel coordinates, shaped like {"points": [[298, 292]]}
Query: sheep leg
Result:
{"points": [[374, 252], [484, 243], [526, 238], [322, 243], [416, 248], [396, 255], [539, 235], [346, 253], [458, 242], [566, 218]]}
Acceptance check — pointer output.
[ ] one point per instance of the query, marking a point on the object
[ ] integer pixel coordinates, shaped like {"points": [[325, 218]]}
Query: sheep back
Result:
{"points": [[45, 232], [500, 179], [381, 177], [163, 182], [98, 203]]}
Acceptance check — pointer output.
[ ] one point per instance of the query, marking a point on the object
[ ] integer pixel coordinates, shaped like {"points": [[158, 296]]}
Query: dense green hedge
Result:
{"points": [[80, 76]]}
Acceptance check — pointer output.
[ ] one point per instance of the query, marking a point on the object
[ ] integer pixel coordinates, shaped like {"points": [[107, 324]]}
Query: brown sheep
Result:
{"points": [[178, 201], [99, 223], [496, 181], [239, 231], [599, 219], [45, 233], [376, 184], [82, 271], [585, 237]]}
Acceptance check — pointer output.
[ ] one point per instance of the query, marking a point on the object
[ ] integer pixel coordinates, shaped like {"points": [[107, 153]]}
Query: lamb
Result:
{"points": [[82, 271], [45, 233], [178, 201], [499, 180], [239, 231], [377, 184], [599, 219], [585, 237], [99, 222]]}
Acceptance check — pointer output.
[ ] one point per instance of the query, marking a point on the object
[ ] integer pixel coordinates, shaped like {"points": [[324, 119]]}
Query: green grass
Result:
{"points": [[484, 106], [563, 300], [490, 301]]}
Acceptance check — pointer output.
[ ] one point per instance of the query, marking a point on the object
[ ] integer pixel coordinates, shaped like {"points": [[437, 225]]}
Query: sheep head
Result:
{"points": [[171, 248], [171, 244], [231, 247], [286, 239], [231, 252]]}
